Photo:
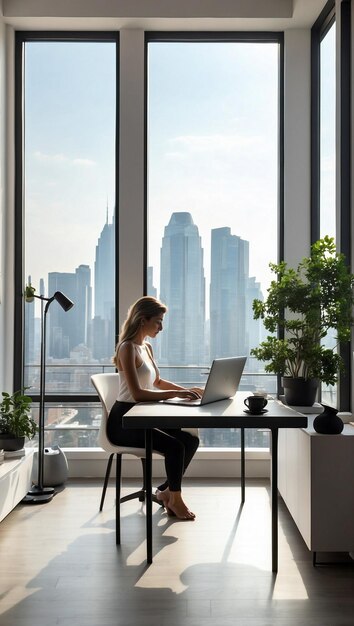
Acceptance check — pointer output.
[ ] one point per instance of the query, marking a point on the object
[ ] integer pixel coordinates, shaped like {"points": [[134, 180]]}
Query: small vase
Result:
{"points": [[328, 423]]}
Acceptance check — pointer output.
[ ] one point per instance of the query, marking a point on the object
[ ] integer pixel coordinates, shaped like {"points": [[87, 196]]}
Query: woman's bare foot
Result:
{"points": [[163, 496], [177, 507]]}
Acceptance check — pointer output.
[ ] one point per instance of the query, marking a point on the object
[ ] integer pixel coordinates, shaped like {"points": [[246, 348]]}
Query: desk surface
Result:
{"points": [[224, 414]]}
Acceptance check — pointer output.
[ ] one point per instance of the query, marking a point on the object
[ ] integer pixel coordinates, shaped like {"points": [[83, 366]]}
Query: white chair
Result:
{"points": [[107, 386]]}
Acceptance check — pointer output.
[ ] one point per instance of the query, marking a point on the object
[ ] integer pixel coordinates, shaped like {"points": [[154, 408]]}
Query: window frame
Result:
{"points": [[222, 37], [21, 38], [319, 30]]}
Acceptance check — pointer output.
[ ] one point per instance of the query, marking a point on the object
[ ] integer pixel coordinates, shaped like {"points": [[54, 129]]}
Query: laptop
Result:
{"points": [[222, 383]]}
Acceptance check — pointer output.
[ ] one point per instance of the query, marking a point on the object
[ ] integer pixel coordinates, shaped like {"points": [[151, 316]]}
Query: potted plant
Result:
{"points": [[29, 293], [307, 303], [16, 422]]}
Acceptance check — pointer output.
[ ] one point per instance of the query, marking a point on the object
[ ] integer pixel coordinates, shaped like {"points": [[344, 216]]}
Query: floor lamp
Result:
{"points": [[40, 494]]}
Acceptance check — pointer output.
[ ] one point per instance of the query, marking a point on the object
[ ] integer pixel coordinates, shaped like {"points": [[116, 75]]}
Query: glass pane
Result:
{"points": [[328, 134], [69, 191], [212, 202], [69, 425], [329, 393]]}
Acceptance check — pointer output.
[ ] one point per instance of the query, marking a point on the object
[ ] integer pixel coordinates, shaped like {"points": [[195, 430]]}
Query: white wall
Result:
{"points": [[151, 8], [297, 155], [131, 169]]}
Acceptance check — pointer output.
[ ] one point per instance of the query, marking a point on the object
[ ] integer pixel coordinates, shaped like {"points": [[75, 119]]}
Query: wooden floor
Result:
{"points": [[59, 564]]}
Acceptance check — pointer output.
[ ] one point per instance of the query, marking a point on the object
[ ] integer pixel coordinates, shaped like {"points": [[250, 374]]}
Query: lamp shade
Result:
{"points": [[63, 300]]}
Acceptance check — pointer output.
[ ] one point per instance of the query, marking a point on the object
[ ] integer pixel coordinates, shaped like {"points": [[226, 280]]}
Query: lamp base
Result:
{"points": [[39, 495]]}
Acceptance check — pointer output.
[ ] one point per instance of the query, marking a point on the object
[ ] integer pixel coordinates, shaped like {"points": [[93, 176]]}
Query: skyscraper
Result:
{"points": [[150, 289], [69, 329], [83, 304], [182, 288], [228, 284], [105, 271], [62, 327], [103, 323]]}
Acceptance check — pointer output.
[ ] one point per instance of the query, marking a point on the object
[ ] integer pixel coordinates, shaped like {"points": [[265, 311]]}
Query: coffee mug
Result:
{"points": [[255, 404]]}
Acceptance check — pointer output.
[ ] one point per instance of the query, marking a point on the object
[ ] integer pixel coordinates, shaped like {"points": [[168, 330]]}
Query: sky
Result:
{"points": [[212, 147], [328, 134], [70, 106], [212, 143]]}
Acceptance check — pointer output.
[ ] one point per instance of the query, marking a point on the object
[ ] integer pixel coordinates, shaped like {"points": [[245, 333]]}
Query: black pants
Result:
{"points": [[177, 446]]}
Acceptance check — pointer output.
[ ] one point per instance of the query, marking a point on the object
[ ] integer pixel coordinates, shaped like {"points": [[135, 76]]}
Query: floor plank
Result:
{"points": [[60, 564]]}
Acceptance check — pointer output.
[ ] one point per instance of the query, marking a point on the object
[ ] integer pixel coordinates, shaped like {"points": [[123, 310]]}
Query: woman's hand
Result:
{"points": [[197, 390], [188, 394]]}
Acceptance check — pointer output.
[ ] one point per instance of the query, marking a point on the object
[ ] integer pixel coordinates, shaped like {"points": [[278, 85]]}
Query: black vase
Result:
{"points": [[328, 423], [299, 391]]}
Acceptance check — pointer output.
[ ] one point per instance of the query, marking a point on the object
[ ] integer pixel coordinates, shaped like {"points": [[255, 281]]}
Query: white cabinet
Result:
{"points": [[15, 481], [316, 482]]}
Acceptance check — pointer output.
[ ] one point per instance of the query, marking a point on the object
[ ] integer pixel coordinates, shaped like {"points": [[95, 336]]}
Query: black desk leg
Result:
{"points": [[243, 465], [148, 475], [274, 497]]}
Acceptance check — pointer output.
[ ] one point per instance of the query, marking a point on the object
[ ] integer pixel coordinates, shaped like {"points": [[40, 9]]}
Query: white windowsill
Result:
{"points": [[201, 454], [207, 463]]}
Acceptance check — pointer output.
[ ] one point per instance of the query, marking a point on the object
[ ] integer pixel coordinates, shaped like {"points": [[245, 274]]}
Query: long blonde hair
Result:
{"points": [[144, 308]]}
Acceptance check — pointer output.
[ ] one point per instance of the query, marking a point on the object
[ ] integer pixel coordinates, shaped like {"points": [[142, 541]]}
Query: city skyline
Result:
{"points": [[193, 334], [83, 338]]}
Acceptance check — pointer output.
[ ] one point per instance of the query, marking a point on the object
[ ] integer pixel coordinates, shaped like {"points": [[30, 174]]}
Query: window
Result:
{"points": [[329, 393], [67, 219], [213, 119], [328, 133], [324, 137]]}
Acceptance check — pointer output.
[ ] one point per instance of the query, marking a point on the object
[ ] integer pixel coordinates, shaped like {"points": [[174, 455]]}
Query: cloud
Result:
{"points": [[216, 143], [84, 162], [62, 158]]}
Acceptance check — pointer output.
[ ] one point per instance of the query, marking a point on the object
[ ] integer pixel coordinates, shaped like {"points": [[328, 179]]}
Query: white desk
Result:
{"points": [[224, 414]]}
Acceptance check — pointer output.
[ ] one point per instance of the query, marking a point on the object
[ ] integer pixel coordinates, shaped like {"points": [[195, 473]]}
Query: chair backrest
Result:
{"points": [[107, 387]]}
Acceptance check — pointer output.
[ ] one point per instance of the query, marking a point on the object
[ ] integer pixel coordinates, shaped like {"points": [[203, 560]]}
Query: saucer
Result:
{"points": [[250, 412]]}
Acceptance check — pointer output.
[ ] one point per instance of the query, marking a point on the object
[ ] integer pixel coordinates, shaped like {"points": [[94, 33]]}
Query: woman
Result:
{"points": [[140, 382]]}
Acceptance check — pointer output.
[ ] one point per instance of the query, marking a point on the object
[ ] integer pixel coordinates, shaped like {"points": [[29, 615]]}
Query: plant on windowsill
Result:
{"points": [[16, 422], [307, 303], [29, 293]]}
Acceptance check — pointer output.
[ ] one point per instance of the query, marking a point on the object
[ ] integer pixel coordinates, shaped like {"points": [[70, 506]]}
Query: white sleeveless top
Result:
{"points": [[146, 374]]}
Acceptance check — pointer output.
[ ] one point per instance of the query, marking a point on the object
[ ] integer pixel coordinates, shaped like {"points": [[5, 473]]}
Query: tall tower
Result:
{"points": [[103, 323], [228, 284], [83, 304], [182, 289], [62, 325], [105, 271]]}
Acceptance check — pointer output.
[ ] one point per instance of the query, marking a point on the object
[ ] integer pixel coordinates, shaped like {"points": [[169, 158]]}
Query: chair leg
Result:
{"points": [[118, 488], [106, 478]]}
